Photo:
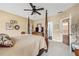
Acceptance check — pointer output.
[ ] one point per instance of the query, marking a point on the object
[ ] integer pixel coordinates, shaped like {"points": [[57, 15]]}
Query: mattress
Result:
{"points": [[25, 45]]}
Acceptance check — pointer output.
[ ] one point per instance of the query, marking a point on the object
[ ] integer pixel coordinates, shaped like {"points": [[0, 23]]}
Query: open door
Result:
{"points": [[50, 30], [65, 28]]}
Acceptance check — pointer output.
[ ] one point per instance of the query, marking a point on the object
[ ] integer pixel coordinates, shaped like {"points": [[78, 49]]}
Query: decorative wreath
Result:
{"points": [[17, 27]]}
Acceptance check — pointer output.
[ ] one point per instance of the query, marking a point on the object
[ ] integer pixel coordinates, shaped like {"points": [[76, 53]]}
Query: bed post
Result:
{"points": [[46, 34], [28, 25]]}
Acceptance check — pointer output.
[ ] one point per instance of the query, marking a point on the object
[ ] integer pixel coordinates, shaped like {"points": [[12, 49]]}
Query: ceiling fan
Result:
{"points": [[34, 9]]}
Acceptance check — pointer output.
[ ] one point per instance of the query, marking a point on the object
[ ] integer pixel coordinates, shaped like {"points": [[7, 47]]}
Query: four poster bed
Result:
{"points": [[45, 34], [25, 44]]}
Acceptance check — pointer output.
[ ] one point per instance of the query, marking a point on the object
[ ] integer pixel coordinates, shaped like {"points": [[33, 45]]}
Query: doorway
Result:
{"points": [[50, 30], [65, 27]]}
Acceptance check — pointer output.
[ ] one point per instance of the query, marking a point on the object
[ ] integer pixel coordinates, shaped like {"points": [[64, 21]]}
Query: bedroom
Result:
{"points": [[14, 23]]}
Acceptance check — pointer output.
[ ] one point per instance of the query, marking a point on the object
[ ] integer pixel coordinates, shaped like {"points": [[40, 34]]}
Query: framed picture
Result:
{"points": [[9, 26], [17, 27], [13, 21]]}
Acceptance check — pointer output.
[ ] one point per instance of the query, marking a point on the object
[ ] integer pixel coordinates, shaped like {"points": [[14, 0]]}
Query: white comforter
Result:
{"points": [[26, 45]]}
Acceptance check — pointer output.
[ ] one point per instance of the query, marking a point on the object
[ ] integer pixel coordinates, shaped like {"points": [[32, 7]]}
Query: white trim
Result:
{"points": [[70, 16], [61, 28], [61, 34]]}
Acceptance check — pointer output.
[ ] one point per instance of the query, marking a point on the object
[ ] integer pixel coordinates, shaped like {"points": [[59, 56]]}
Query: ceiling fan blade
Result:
{"points": [[40, 9], [38, 13], [31, 5], [27, 10], [32, 13]]}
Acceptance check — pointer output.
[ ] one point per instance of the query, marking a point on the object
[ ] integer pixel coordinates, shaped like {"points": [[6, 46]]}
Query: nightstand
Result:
{"points": [[77, 50]]}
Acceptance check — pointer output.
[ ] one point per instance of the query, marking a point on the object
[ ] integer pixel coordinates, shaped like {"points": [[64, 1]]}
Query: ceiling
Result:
{"points": [[18, 9]]}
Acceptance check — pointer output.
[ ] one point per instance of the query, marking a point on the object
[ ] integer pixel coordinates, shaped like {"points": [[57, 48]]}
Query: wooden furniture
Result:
{"points": [[28, 25], [46, 31], [77, 52], [23, 32], [46, 26], [38, 33]]}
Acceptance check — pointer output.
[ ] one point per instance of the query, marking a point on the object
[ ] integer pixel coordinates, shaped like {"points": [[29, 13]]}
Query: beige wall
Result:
{"points": [[59, 17], [56, 20], [6, 17], [75, 22], [39, 21]]}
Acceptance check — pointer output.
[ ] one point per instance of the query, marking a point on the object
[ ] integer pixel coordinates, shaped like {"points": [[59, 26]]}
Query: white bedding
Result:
{"points": [[26, 45]]}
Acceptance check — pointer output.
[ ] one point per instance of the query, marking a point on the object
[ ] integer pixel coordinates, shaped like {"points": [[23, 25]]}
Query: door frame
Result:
{"points": [[67, 31], [52, 29], [61, 28]]}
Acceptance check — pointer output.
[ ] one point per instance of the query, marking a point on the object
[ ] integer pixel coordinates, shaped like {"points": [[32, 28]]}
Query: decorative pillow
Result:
{"points": [[5, 41]]}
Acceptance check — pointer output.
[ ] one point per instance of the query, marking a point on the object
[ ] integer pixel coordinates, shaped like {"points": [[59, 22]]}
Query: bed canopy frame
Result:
{"points": [[46, 27], [28, 25]]}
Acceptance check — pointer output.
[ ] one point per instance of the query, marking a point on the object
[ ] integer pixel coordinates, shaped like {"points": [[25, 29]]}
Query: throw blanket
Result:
{"points": [[26, 45]]}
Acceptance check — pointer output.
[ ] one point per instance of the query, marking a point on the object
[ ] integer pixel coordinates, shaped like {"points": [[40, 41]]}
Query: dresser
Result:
{"points": [[38, 33]]}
